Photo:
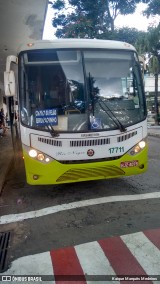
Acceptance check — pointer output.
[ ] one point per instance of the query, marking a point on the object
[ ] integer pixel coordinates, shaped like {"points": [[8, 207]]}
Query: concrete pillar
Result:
{"points": [[2, 104], [1, 99]]}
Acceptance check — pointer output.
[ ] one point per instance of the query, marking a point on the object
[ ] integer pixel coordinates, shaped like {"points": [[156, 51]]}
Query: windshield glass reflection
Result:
{"points": [[75, 91]]}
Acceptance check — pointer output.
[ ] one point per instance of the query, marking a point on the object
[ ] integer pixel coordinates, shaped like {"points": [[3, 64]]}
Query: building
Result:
{"points": [[150, 91]]}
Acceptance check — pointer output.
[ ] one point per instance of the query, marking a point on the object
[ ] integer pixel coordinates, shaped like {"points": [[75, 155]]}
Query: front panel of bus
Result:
{"points": [[82, 113]]}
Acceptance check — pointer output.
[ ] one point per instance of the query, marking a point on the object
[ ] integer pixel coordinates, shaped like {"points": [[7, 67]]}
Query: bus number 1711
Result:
{"points": [[116, 150]]}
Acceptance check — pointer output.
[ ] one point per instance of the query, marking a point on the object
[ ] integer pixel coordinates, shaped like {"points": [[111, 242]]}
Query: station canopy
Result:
{"points": [[20, 21]]}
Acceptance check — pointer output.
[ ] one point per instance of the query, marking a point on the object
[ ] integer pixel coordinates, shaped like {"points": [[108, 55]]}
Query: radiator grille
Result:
{"points": [[95, 142], [90, 173], [86, 143], [50, 141], [126, 136]]}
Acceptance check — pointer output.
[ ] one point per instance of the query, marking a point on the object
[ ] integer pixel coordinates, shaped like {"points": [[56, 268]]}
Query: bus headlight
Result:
{"points": [[37, 155], [32, 153], [137, 148], [40, 157]]}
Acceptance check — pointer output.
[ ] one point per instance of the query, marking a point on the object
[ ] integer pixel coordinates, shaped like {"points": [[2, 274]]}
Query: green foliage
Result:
{"points": [[95, 19], [149, 43], [88, 18], [142, 44], [153, 8], [154, 40], [152, 49], [154, 66], [59, 4], [129, 35]]}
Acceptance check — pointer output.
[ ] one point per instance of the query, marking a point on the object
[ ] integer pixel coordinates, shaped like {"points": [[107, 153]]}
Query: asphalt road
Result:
{"points": [[81, 223]]}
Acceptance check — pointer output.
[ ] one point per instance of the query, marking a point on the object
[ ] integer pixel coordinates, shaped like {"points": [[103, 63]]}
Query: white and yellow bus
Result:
{"points": [[82, 110]]}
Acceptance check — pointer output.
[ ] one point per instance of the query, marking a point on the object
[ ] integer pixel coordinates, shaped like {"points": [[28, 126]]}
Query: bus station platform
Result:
{"points": [[6, 157], [7, 154], [154, 130]]}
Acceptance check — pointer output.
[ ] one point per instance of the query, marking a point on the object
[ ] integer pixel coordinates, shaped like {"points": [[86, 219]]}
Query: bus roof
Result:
{"points": [[76, 43]]}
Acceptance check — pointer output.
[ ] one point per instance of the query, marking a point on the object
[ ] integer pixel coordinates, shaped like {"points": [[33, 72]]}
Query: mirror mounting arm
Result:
{"points": [[9, 77], [10, 59]]}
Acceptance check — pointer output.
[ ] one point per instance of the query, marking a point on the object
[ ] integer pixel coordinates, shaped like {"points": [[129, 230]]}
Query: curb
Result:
{"points": [[5, 173], [154, 134]]}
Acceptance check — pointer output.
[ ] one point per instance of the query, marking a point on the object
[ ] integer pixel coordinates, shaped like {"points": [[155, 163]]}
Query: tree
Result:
{"points": [[154, 62], [129, 35], [153, 8], [155, 68], [151, 47], [88, 18]]}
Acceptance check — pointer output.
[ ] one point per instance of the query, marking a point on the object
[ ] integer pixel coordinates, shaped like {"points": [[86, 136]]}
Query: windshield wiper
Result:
{"points": [[52, 130], [91, 91], [111, 115]]}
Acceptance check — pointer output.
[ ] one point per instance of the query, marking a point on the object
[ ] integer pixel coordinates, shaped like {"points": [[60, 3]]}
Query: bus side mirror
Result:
{"points": [[9, 83]]}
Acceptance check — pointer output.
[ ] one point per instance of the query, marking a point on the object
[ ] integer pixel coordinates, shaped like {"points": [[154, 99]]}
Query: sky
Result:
{"points": [[137, 20]]}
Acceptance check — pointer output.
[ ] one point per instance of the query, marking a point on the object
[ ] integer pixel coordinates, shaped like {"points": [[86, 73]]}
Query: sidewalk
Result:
{"points": [[6, 157], [154, 130]]}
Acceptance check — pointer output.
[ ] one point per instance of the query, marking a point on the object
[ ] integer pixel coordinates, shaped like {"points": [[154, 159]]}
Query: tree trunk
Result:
{"points": [[156, 100], [112, 24]]}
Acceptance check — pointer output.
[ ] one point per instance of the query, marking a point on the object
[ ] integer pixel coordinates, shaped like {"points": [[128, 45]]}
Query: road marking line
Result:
{"points": [[66, 264], [121, 259], [93, 260], [154, 236], [147, 254], [11, 218]]}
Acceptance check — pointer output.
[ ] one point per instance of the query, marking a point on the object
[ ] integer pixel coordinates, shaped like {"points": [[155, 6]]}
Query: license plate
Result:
{"points": [[129, 164]]}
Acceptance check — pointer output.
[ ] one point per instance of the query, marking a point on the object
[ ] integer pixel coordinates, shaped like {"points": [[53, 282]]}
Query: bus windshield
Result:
{"points": [[80, 90]]}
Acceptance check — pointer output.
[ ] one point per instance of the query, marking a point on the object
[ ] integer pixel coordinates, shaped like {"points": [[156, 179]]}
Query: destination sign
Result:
{"points": [[46, 117]]}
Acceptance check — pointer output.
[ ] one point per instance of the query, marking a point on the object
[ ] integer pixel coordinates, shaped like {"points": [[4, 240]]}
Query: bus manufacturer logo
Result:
{"points": [[90, 152]]}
